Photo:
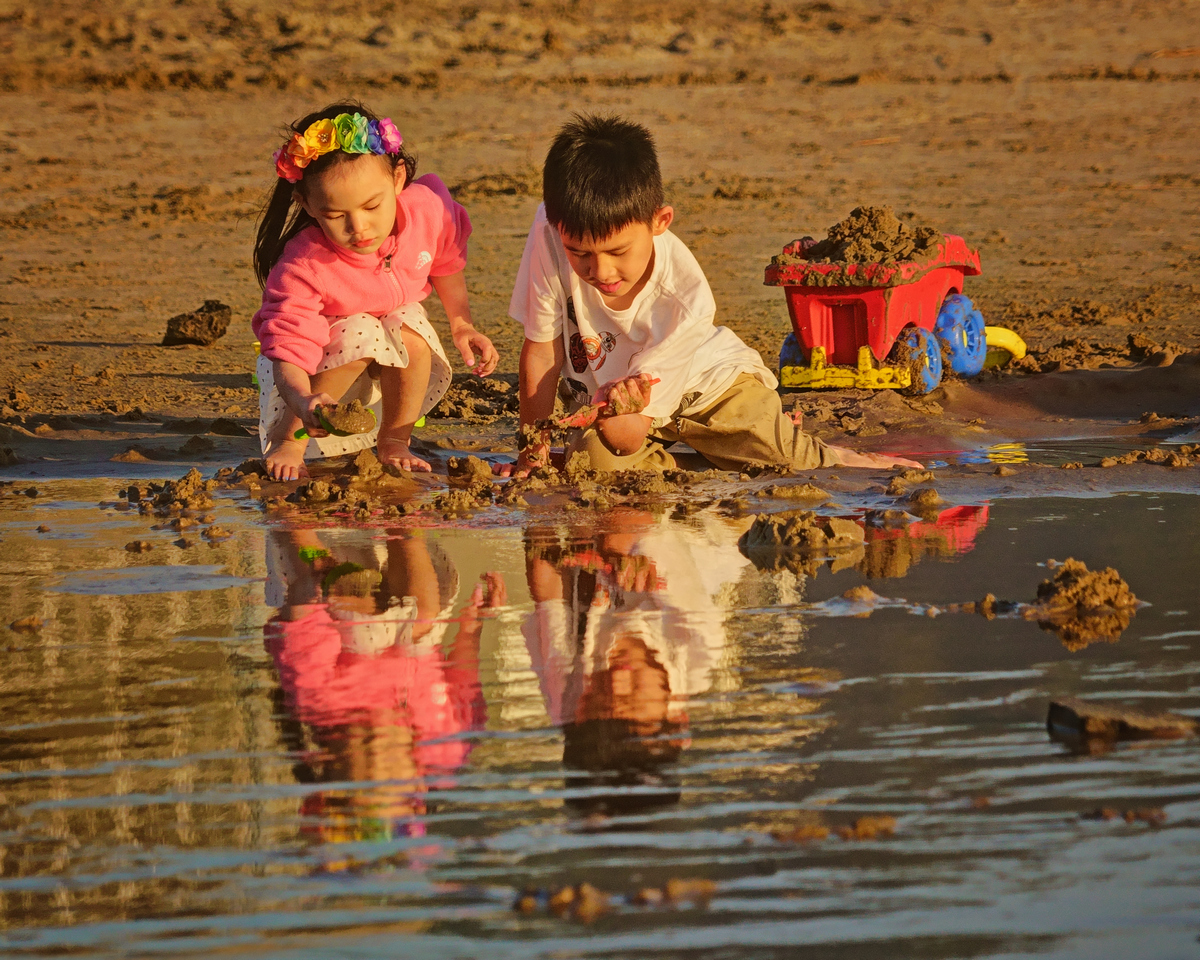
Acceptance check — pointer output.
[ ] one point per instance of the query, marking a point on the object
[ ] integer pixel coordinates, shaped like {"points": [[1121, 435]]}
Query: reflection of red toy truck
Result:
{"points": [[870, 325], [891, 549]]}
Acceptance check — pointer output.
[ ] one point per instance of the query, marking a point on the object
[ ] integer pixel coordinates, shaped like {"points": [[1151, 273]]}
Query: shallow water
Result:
{"points": [[241, 749]]}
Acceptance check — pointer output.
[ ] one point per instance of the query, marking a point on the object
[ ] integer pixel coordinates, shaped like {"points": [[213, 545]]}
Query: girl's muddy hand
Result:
{"points": [[469, 340], [308, 416]]}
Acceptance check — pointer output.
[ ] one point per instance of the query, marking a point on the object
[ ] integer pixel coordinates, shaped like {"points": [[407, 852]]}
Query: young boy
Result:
{"points": [[615, 303]]}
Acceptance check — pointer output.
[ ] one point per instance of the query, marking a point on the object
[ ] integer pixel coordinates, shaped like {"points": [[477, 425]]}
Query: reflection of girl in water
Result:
{"points": [[625, 630], [358, 646]]}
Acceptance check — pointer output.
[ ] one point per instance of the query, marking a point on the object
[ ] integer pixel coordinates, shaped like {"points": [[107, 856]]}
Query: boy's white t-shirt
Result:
{"points": [[667, 332]]}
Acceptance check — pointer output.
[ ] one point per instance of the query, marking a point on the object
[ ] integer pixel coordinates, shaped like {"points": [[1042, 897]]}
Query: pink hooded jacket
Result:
{"points": [[316, 281]]}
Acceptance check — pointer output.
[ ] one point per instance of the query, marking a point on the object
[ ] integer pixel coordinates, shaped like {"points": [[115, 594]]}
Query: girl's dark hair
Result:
{"points": [[282, 218]]}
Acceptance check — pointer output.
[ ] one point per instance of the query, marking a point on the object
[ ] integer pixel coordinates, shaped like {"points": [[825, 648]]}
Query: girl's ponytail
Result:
{"points": [[282, 218]]}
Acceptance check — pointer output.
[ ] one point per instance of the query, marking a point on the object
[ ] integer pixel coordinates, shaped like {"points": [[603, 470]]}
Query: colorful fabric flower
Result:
{"points": [[374, 141], [301, 151], [321, 136], [390, 136], [351, 132], [286, 167]]}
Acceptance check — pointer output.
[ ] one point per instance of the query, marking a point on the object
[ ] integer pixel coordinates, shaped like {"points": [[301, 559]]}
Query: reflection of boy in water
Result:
{"points": [[623, 631], [357, 643]]}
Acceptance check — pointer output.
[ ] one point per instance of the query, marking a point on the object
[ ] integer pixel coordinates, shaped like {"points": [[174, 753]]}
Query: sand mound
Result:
{"points": [[875, 235]]}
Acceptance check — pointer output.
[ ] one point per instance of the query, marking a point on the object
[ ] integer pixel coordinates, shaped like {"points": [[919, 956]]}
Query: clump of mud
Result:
{"points": [[1081, 718], [875, 235], [479, 399], [584, 902], [470, 474], [189, 492], [347, 418], [802, 491], [1185, 456], [924, 503], [1083, 606], [461, 503], [869, 828], [800, 540]]}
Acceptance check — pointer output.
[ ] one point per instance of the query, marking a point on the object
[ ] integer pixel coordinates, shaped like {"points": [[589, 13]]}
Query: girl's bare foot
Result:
{"points": [[395, 451], [286, 460]]}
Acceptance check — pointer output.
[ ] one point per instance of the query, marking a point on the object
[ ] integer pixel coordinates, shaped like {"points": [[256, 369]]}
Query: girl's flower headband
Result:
{"points": [[349, 132]]}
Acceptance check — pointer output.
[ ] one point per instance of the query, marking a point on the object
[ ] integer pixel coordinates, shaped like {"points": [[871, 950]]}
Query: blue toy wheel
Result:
{"points": [[959, 330], [790, 354], [918, 350]]}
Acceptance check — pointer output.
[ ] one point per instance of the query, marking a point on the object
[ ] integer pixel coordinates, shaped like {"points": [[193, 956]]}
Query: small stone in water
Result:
{"points": [[868, 828], [698, 891], [647, 897], [805, 833]]}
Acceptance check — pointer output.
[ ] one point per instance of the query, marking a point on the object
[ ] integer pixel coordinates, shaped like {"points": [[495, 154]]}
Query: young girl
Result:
{"points": [[347, 247]]}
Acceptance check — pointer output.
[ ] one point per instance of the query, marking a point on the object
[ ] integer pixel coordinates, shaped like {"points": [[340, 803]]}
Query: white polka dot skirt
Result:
{"points": [[357, 337]]}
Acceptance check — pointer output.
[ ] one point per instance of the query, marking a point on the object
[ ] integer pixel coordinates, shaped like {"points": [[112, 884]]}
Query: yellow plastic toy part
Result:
{"points": [[865, 376], [1003, 346]]}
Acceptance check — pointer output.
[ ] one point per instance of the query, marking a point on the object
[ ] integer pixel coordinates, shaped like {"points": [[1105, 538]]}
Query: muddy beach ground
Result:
{"points": [[1062, 141], [159, 787]]}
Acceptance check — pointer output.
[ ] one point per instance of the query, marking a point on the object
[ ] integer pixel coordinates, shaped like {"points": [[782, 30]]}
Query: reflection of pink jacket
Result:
{"points": [[316, 281], [327, 685]]}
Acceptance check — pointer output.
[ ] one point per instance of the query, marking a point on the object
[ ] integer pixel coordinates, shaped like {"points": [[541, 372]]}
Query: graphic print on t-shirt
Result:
{"points": [[585, 351]]}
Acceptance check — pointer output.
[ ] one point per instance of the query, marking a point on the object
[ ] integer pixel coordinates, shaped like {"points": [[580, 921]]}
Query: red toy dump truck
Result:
{"points": [[873, 325]]}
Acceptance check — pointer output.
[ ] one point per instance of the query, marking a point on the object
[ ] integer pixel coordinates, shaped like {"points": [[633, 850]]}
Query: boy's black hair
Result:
{"points": [[601, 174], [281, 217]]}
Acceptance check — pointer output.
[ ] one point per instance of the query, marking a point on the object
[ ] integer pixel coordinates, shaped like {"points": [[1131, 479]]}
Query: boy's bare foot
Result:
{"points": [[395, 451], [852, 458], [286, 460]]}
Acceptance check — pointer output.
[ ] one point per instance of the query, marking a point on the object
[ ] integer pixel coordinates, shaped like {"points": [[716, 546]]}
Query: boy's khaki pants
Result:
{"points": [[743, 427]]}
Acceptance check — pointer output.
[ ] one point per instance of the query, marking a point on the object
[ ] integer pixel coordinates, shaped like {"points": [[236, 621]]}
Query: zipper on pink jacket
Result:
{"points": [[387, 268]]}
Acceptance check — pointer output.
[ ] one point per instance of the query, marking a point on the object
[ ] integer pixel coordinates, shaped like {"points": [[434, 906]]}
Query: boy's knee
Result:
{"points": [[650, 455], [624, 435]]}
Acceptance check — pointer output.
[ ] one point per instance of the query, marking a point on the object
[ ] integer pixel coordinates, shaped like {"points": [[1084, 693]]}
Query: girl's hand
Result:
{"points": [[308, 414], [468, 340]]}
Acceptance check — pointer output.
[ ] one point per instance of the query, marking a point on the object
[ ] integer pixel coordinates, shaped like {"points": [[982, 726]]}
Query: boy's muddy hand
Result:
{"points": [[533, 441], [582, 418], [626, 396], [469, 340]]}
